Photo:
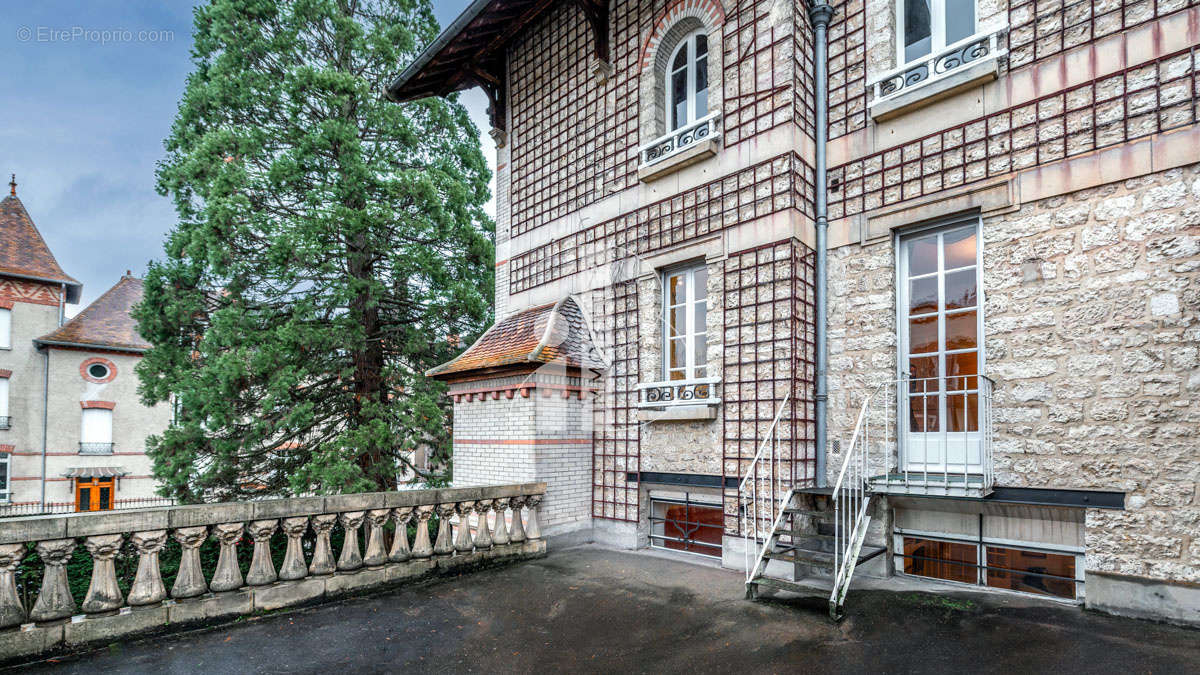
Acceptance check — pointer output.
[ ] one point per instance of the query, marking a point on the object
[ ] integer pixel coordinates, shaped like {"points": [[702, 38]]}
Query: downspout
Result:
{"points": [[820, 14], [62, 308]]}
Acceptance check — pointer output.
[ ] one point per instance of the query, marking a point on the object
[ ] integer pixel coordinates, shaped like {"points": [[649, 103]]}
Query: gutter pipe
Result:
{"points": [[820, 14]]}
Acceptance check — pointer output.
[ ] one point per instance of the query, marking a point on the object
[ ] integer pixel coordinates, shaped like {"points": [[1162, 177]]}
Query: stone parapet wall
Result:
{"points": [[1091, 328]]}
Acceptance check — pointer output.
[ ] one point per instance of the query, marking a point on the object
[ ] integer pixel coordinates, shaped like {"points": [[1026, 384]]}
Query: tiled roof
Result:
{"points": [[555, 333], [23, 252], [106, 323]]}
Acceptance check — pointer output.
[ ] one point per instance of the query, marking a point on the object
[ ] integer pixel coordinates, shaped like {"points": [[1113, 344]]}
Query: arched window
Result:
{"points": [[687, 82]]}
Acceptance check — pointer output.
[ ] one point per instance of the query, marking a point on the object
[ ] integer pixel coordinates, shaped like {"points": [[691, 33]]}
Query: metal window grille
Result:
{"points": [[768, 352], [1133, 103]]}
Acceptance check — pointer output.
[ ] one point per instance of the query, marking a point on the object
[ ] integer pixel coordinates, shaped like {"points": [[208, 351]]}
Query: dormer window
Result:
{"points": [[687, 82]]}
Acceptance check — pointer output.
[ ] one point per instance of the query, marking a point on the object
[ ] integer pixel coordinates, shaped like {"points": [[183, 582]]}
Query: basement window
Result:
{"points": [[686, 525], [1012, 568]]}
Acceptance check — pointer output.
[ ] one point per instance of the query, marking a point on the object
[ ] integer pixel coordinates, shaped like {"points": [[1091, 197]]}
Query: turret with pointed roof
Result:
{"points": [[23, 252]]}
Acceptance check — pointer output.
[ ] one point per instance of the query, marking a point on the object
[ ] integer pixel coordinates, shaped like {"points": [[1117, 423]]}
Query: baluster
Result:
{"points": [[148, 586], [103, 595], [228, 576], [12, 612], [350, 559], [443, 546], [517, 534], [500, 532], [462, 542], [322, 560], [400, 551], [421, 546], [483, 538], [532, 530], [54, 601], [190, 582], [293, 566], [375, 554], [262, 568]]}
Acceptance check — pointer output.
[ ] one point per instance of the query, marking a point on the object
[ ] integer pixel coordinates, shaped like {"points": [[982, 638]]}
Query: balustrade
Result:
{"points": [[387, 555]]}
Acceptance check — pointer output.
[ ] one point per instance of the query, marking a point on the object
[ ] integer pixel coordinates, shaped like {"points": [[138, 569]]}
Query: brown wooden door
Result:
{"points": [[93, 494]]}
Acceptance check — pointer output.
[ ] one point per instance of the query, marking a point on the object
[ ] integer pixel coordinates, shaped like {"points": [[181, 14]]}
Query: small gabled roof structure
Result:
{"points": [[106, 324], [23, 252], [550, 334]]}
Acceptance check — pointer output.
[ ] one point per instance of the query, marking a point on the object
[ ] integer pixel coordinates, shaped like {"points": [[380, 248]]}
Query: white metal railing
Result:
{"points": [[763, 494], [883, 455], [697, 391], [936, 66], [680, 139]]}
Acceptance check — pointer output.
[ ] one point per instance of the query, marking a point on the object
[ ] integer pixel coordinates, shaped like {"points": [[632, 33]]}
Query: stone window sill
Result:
{"points": [[693, 155], [973, 75], [683, 413]]}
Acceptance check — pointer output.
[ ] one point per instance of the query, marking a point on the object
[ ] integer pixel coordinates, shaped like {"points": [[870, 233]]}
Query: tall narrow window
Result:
{"points": [[96, 434], [924, 27], [940, 343], [5, 329], [5, 495], [686, 305], [687, 82], [4, 418]]}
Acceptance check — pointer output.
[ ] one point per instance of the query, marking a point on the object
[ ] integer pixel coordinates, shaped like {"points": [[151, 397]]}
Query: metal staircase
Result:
{"points": [[815, 538]]}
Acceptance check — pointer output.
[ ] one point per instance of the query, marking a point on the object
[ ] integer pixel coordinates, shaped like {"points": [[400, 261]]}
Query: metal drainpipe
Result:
{"points": [[820, 14], [62, 309]]}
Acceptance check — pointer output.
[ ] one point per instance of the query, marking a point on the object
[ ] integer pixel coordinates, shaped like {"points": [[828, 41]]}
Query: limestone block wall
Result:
{"points": [[1092, 334]]}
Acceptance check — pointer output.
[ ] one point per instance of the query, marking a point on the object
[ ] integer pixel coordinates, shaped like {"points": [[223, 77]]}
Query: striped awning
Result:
{"points": [[95, 472]]}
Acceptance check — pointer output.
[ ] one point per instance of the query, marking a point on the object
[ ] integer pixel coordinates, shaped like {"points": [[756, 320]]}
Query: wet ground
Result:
{"points": [[590, 609]]}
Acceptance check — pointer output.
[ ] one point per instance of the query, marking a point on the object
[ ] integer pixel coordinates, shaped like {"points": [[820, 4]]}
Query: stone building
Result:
{"points": [[1012, 262], [74, 428]]}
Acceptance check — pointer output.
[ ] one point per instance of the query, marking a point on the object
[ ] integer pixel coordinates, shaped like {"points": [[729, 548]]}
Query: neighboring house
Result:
{"points": [[1013, 284], [76, 430]]}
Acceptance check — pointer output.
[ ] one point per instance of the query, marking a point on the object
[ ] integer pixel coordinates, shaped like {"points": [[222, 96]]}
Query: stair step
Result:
{"points": [[826, 491], [793, 511], [807, 590], [793, 554]]}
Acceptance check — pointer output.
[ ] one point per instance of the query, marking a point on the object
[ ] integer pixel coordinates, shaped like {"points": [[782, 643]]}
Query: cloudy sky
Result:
{"points": [[84, 122]]}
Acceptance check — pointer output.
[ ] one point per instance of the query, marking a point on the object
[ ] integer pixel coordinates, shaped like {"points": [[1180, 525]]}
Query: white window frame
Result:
{"points": [[691, 299], [688, 42], [6, 486], [5, 328], [937, 29], [903, 349], [102, 427]]}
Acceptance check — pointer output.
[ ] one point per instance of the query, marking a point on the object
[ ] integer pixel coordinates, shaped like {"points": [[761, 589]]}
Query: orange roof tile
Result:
{"points": [[555, 333], [106, 323], [23, 252]]}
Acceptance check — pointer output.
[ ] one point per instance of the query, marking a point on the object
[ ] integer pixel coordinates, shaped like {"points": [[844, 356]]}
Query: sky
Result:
{"points": [[92, 89]]}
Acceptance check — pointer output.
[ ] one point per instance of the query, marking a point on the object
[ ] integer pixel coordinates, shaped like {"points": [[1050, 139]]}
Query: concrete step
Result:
{"points": [[805, 589]]}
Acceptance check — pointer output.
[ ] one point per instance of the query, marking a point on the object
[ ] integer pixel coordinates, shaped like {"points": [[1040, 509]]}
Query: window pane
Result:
{"points": [[85, 499], [680, 62], [960, 248], [922, 295], [676, 290], [923, 414], [676, 317], [1028, 568], [700, 317], [960, 20], [701, 280], [5, 328], [960, 289], [922, 373], [922, 335], [917, 29], [701, 101], [922, 256], [679, 99], [701, 343], [105, 498], [702, 45], [960, 330], [962, 411], [678, 353], [940, 559], [958, 367]]}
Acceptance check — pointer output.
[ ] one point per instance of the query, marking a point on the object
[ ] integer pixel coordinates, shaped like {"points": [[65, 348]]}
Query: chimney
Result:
{"points": [[12, 186]]}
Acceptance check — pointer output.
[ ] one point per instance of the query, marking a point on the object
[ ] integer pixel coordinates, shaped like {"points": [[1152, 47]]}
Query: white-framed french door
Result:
{"points": [[940, 325]]}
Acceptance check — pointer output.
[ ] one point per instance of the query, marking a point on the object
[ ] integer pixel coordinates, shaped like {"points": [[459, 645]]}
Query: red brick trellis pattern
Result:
{"points": [[847, 68], [616, 433], [1127, 105], [784, 182], [575, 139], [768, 352], [1041, 28]]}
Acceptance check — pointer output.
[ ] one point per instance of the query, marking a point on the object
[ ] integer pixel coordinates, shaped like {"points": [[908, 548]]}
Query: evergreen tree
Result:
{"points": [[331, 247]]}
